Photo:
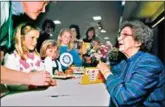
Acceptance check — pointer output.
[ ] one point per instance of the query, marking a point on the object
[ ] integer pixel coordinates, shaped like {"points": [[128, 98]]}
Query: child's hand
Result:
{"points": [[59, 73], [69, 72]]}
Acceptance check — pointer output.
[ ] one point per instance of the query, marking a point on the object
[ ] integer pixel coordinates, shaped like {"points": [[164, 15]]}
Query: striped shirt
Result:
{"points": [[137, 81]]}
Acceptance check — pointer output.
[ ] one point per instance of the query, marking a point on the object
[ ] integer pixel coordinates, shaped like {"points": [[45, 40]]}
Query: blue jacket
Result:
{"points": [[77, 61], [137, 81]]}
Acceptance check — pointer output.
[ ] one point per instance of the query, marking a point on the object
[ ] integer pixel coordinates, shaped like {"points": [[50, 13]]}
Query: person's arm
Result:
{"points": [[9, 76], [117, 69], [132, 92]]}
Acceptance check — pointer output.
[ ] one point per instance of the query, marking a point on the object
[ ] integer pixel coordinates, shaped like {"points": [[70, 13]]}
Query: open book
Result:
{"points": [[62, 76]]}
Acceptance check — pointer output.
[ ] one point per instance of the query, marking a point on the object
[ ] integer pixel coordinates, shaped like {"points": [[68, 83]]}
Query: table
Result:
{"points": [[66, 93]]}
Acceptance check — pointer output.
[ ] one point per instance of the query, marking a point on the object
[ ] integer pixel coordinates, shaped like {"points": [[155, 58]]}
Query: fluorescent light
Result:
{"points": [[103, 31], [106, 37], [57, 22], [99, 27], [108, 42], [96, 17], [51, 34], [158, 22], [123, 3]]}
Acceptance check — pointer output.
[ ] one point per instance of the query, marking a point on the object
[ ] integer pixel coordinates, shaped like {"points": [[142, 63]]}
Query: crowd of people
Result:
{"points": [[137, 80]]}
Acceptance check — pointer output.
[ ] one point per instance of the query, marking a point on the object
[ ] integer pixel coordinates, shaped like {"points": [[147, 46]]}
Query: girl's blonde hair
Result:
{"points": [[71, 42], [45, 45], [19, 36]]}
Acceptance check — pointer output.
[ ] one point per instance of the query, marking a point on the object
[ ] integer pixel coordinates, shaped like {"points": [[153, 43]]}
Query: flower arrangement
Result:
{"points": [[98, 53], [104, 51], [101, 54]]}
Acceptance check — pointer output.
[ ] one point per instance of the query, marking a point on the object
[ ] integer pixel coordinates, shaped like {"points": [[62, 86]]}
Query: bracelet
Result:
{"points": [[105, 74]]}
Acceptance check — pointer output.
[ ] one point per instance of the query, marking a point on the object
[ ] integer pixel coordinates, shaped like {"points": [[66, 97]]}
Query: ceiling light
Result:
{"points": [[106, 37], [123, 3], [103, 31], [57, 22], [99, 27], [96, 17]]}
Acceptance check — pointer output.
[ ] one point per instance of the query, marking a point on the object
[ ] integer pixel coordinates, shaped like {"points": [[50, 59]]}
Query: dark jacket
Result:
{"points": [[43, 36]]}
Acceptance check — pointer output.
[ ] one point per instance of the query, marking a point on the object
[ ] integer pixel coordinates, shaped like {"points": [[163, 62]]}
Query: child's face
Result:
{"points": [[95, 44], [30, 39], [52, 52], [65, 38]]}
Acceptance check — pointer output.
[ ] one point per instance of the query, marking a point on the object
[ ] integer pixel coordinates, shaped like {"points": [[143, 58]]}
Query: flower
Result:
{"points": [[101, 53]]}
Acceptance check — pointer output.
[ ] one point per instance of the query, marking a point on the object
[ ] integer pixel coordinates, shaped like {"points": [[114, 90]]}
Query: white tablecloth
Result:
{"points": [[66, 93]]}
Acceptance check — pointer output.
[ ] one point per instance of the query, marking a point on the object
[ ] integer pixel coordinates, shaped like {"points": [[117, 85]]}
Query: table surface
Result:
{"points": [[66, 93]]}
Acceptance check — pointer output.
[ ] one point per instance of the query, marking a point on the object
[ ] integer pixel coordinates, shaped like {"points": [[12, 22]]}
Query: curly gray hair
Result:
{"points": [[141, 32]]}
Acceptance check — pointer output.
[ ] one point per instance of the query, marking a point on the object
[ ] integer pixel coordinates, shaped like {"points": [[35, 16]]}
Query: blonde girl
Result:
{"points": [[49, 54], [66, 45], [25, 57]]}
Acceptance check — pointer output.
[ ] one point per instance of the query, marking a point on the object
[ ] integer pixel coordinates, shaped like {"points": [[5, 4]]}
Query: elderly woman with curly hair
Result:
{"points": [[139, 79]]}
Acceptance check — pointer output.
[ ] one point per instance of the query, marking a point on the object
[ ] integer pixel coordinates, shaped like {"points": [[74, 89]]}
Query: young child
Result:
{"points": [[25, 57], [49, 53], [92, 56], [66, 45]]}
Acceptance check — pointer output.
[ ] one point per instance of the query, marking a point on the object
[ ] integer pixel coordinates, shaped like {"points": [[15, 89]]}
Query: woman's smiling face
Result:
{"points": [[126, 41]]}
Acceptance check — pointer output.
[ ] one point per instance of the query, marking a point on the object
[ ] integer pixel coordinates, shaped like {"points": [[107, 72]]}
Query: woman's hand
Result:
{"points": [[105, 70]]}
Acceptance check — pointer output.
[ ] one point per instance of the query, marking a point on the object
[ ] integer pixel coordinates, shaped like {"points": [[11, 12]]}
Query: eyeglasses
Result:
{"points": [[124, 35]]}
